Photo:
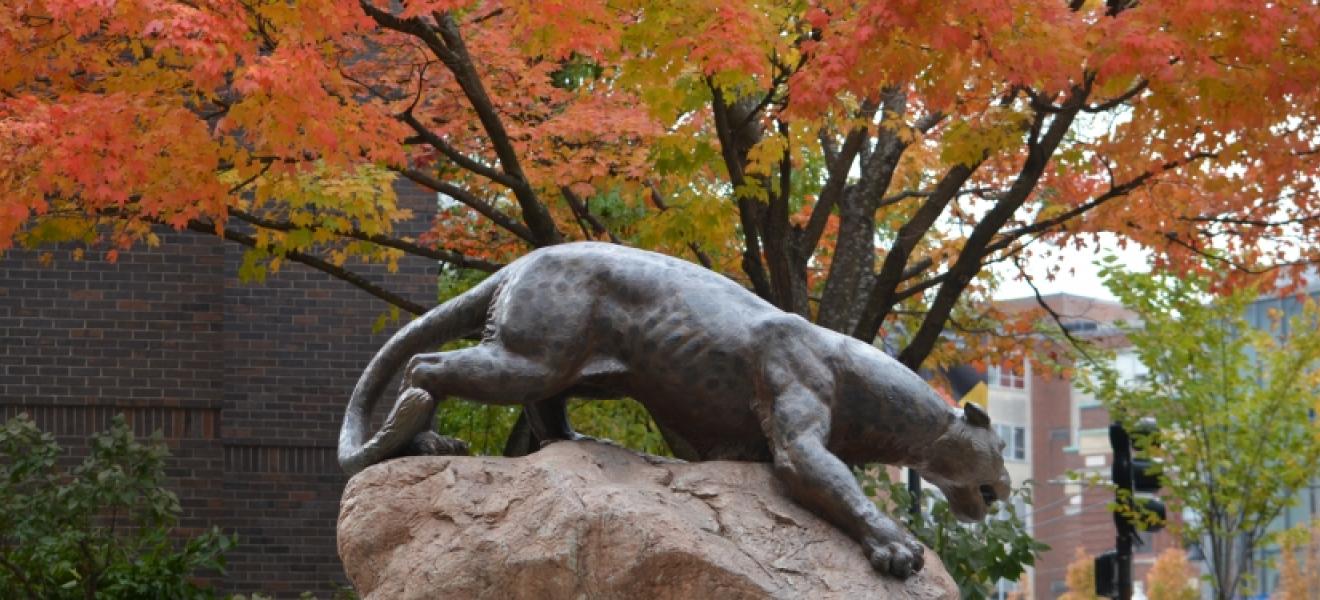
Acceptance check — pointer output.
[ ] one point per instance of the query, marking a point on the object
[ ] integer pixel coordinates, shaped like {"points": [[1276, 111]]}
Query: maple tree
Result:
{"points": [[1299, 558], [1080, 577], [1172, 577], [859, 163]]}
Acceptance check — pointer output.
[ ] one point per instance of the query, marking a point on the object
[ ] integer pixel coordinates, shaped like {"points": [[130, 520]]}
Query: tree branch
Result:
{"points": [[469, 199], [1116, 191], [459, 62], [22, 577], [448, 46], [1058, 319], [580, 209], [787, 273], [968, 263], [660, 205], [1253, 222], [447, 256], [881, 296], [854, 256], [314, 262], [1117, 100], [731, 151], [460, 159], [829, 196], [1173, 238]]}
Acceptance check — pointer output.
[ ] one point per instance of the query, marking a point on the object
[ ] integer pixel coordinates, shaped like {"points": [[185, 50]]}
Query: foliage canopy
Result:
{"points": [[860, 163]]}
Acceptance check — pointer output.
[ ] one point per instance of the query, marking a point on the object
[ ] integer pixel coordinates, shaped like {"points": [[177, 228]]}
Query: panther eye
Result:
{"points": [[988, 494]]}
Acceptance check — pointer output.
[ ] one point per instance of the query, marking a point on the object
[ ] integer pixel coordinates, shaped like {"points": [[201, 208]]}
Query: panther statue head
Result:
{"points": [[967, 464]]}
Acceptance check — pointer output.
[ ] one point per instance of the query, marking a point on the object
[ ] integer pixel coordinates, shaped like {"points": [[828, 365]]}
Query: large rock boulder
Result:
{"points": [[590, 520]]}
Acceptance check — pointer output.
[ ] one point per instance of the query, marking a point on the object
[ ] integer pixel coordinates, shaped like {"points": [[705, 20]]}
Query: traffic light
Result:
{"points": [[1132, 476], [1106, 575]]}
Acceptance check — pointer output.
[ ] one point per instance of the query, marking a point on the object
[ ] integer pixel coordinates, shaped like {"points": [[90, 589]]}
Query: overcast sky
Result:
{"points": [[1079, 275]]}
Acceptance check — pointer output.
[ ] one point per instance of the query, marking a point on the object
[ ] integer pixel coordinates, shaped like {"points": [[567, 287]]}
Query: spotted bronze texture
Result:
{"points": [[726, 375]]}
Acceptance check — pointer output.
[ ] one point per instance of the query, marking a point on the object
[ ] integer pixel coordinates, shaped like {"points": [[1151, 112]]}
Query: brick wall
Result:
{"points": [[247, 382]]}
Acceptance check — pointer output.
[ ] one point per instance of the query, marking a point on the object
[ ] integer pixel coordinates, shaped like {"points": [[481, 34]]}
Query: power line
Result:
{"points": [[1080, 511]]}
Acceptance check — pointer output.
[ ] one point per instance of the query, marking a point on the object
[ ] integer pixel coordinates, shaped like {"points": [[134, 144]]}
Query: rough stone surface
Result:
{"points": [[589, 520]]}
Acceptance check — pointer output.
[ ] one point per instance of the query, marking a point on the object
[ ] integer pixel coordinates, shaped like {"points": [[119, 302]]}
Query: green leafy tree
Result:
{"points": [[99, 530], [1231, 402], [486, 428], [976, 555]]}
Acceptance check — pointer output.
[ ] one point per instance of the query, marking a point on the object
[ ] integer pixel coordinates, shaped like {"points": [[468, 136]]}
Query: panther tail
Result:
{"points": [[458, 317]]}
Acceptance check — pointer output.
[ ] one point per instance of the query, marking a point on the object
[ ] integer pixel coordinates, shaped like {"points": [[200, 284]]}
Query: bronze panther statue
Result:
{"points": [[725, 374]]}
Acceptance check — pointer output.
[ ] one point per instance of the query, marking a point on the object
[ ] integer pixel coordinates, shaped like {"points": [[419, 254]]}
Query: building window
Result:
{"points": [[1015, 441], [1007, 376]]}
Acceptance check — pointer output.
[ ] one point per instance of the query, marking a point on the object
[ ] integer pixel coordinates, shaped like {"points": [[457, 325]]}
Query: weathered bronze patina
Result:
{"points": [[725, 374]]}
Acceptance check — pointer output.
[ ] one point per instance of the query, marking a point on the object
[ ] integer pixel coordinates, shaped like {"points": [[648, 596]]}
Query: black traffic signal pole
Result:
{"points": [[1122, 476], [1131, 476], [1113, 570], [1124, 544]]}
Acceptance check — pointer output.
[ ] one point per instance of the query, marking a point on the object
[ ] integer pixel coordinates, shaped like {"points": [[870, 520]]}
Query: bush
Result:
{"points": [[976, 555], [1080, 577], [486, 427], [1172, 577], [101, 529]]}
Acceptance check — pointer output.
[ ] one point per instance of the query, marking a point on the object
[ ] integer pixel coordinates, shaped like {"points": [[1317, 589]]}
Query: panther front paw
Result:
{"points": [[430, 443], [899, 558]]}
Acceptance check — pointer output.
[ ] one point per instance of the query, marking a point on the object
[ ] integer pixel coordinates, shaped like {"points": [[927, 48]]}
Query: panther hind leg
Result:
{"points": [[486, 373]]}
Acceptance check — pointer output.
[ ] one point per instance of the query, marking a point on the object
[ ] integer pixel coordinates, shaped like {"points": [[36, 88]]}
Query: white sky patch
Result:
{"points": [[1078, 272]]}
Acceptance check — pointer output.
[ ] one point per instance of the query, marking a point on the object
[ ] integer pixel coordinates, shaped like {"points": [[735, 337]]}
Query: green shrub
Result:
{"points": [[101, 529], [976, 555]]}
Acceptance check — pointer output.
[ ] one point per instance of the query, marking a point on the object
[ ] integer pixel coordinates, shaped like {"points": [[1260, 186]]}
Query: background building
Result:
{"points": [[1066, 431], [247, 382]]}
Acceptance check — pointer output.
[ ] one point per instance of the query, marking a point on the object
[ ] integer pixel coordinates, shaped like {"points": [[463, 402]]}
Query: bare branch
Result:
{"points": [[1058, 320], [469, 199], [1117, 100], [881, 295], [314, 262], [447, 256], [460, 159], [968, 263], [580, 209]]}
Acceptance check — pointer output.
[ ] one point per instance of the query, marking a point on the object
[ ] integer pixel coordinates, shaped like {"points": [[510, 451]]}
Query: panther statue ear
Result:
{"points": [[975, 415]]}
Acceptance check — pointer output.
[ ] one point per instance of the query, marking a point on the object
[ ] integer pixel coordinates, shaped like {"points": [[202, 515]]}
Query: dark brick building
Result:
{"points": [[247, 382]]}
